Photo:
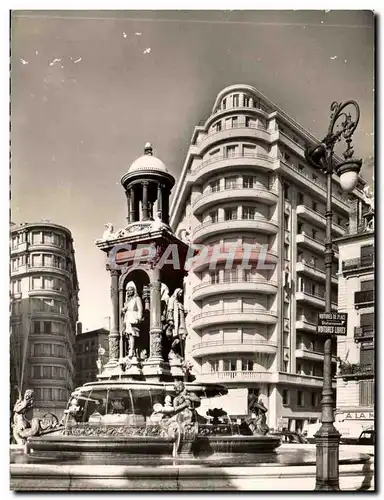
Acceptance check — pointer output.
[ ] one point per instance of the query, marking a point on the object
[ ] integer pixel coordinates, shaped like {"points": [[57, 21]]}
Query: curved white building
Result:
{"points": [[44, 312], [245, 182]]}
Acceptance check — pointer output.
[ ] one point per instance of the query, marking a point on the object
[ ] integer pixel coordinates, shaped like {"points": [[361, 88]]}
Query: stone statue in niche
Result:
{"points": [[132, 313], [164, 299], [176, 329]]}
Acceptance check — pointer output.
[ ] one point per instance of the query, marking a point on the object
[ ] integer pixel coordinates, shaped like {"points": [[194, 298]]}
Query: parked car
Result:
{"points": [[367, 437], [290, 437]]}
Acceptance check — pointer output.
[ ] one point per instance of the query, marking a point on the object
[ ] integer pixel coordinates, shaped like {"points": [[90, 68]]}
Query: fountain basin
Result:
{"points": [[150, 445], [289, 468]]}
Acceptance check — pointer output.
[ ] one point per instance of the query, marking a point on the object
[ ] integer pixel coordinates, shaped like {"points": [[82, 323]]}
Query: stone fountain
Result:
{"points": [[141, 416]]}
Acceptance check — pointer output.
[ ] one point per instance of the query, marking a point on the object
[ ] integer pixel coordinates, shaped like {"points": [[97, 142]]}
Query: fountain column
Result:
{"points": [[155, 366], [114, 333]]}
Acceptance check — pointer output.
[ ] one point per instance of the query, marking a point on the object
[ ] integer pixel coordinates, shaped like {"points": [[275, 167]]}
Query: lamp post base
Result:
{"points": [[327, 458]]}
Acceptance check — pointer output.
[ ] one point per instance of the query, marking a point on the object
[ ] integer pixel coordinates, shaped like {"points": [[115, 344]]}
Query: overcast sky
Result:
{"points": [[85, 99]]}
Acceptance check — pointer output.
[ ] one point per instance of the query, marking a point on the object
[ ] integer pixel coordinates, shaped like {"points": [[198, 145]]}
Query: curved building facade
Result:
{"points": [[252, 322], [44, 312]]}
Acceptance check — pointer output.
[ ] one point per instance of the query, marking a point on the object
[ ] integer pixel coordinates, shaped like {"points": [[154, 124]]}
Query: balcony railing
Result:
{"points": [[214, 159], [364, 332], [364, 298], [235, 343], [358, 263], [239, 310], [237, 279], [322, 216], [235, 187], [256, 218], [356, 370], [317, 182]]}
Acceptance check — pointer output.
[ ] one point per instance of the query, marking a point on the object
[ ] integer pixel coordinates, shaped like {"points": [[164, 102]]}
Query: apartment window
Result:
{"points": [[214, 277], [300, 398], [236, 101], [36, 327], [16, 286], [230, 214], [367, 285], [300, 199], [366, 251], [230, 275], [286, 222], [314, 399], [217, 127], [234, 122], [230, 182], [231, 151], [286, 191], [246, 101], [47, 327], [314, 234], [215, 186], [367, 393], [229, 365], [247, 275], [314, 206], [367, 355], [36, 238], [246, 365], [285, 397], [367, 319], [313, 289], [285, 366], [248, 182], [248, 213], [213, 216], [300, 228], [224, 104], [299, 368]]}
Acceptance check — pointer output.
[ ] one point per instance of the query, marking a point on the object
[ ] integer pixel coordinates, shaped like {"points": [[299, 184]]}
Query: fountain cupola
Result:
{"points": [[147, 186]]}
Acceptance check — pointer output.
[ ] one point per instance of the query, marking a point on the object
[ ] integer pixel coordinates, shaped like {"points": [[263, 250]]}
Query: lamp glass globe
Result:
{"points": [[348, 180]]}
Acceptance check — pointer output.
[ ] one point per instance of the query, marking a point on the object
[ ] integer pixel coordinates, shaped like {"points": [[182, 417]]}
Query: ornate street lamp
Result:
{"points": [[321, 156]]}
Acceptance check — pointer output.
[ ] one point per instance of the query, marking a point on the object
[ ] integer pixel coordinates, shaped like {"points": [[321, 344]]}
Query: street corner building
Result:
{"points": [[44, 311], [245, 181], [356, 351]]}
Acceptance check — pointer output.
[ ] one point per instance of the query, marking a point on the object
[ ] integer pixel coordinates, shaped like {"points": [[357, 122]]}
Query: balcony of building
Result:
{"points": [[305, 324], [313, 217], [304, 351], [311, 270], [314, 300], [235, 377], [356, 371], [236, 285], [257, 256], [305, 241], [364, 333], [221, 316], [235, 192], [221, 163], [365, 298], [258, 224], [230, 346], [237, 131], [358, 264]]}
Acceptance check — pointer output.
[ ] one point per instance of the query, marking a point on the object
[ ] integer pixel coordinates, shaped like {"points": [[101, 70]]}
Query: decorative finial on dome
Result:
{"points": [[148, 149]]}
